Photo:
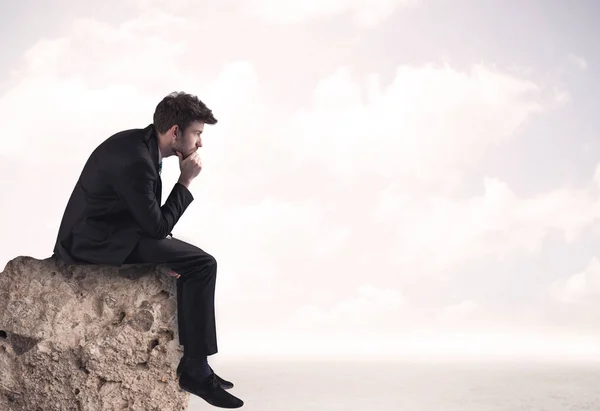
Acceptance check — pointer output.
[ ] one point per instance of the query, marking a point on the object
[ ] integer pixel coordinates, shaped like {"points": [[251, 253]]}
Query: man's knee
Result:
{"points": [[208, 259], [207, 263]]}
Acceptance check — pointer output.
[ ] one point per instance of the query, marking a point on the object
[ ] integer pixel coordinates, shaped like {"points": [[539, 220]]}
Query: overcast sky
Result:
{"points": [[386, 177]]}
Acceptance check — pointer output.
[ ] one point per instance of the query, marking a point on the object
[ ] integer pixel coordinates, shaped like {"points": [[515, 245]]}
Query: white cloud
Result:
{"points": [[438, 232], [362, 309], [460, 313], [596, 178], [249, 241], [364, 13], [561, 96], [580, 288], [579, 61], [427, 122], [75, 91]]}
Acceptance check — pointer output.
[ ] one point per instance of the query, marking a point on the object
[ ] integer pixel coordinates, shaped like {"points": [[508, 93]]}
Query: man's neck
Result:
{"points": [[162, 148]]}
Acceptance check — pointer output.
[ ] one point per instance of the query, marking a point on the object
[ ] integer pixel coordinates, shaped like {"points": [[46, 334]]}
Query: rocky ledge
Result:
{"points": [[87, 338]]}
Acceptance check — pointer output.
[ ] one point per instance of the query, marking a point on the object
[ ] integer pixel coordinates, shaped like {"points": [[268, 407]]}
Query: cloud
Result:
{"points": [[439, 232], [364, 13], [429, 121], [249, 242], [578, 61], [82, 87], [362, 309], [462, 313], [582, 288]]}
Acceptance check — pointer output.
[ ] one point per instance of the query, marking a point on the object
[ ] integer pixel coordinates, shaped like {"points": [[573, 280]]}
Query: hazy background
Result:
{"points": [[387, 177]]}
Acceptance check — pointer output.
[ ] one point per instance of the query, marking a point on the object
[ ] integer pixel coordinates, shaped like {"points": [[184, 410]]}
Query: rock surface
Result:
{"points": [[87, 338]]}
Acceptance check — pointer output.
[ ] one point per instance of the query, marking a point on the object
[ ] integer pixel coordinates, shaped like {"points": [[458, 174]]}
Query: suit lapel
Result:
{"points": [[151, 139], [152, 142], [159, 190]]}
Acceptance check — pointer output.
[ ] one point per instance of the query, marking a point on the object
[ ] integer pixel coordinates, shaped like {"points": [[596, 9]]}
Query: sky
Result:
{"points": [[387, 178]]}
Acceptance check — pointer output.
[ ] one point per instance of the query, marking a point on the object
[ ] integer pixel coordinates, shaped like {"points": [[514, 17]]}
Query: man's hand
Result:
{"points": [[163, 269], [172, 273], [190, 167]]}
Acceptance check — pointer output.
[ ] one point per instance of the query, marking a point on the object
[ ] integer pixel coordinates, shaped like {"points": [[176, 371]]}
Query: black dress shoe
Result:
{"points": [[224, 383], [209, 390]]}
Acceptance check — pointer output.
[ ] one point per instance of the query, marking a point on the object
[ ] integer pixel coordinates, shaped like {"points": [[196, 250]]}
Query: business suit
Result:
{"points": [[114, 217]]}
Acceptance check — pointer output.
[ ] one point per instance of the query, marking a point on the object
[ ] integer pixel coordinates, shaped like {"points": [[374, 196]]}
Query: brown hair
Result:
{"points": [[179, 108]]}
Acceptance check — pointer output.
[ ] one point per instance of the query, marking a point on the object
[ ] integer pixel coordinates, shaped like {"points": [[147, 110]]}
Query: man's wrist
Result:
{"points": [[184, 182]]}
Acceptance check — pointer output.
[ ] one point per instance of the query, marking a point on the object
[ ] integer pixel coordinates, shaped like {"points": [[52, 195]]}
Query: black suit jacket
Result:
{"points": [[116, 200]]}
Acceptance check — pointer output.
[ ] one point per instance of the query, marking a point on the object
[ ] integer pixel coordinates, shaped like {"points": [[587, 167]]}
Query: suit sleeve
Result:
{"points": [[136, 187]]}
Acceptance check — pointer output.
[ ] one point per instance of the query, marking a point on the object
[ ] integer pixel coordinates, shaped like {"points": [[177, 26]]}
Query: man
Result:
{"points": [[114, 217]]}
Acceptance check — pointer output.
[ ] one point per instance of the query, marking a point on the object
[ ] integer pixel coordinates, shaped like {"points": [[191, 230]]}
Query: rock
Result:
{"points": [[87, 338]]}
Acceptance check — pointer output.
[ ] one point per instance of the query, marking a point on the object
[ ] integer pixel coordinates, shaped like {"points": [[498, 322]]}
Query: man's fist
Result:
{"points": [[190, 167]]}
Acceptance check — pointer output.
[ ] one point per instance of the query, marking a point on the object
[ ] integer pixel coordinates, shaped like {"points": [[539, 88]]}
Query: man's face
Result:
{"points": [[188, 141]]}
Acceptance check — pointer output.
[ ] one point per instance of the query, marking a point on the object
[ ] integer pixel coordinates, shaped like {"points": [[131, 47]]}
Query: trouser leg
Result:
{"points": [[197, 308], [195, 289], [180, 322]]}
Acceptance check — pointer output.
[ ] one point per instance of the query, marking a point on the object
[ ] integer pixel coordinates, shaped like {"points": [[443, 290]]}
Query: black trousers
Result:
{"points": [[195, 289]]}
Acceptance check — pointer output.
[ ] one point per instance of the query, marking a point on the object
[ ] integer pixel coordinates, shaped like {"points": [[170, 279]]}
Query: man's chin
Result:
{"points": [[183, 155], [190, 153]]}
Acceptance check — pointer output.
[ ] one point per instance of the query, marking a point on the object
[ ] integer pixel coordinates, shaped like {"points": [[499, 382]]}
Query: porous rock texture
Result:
{"points": [[88, 337]]}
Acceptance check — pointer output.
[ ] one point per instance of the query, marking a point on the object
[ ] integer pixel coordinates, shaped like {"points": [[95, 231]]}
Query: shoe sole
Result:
{"points": [[183, 387]]}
